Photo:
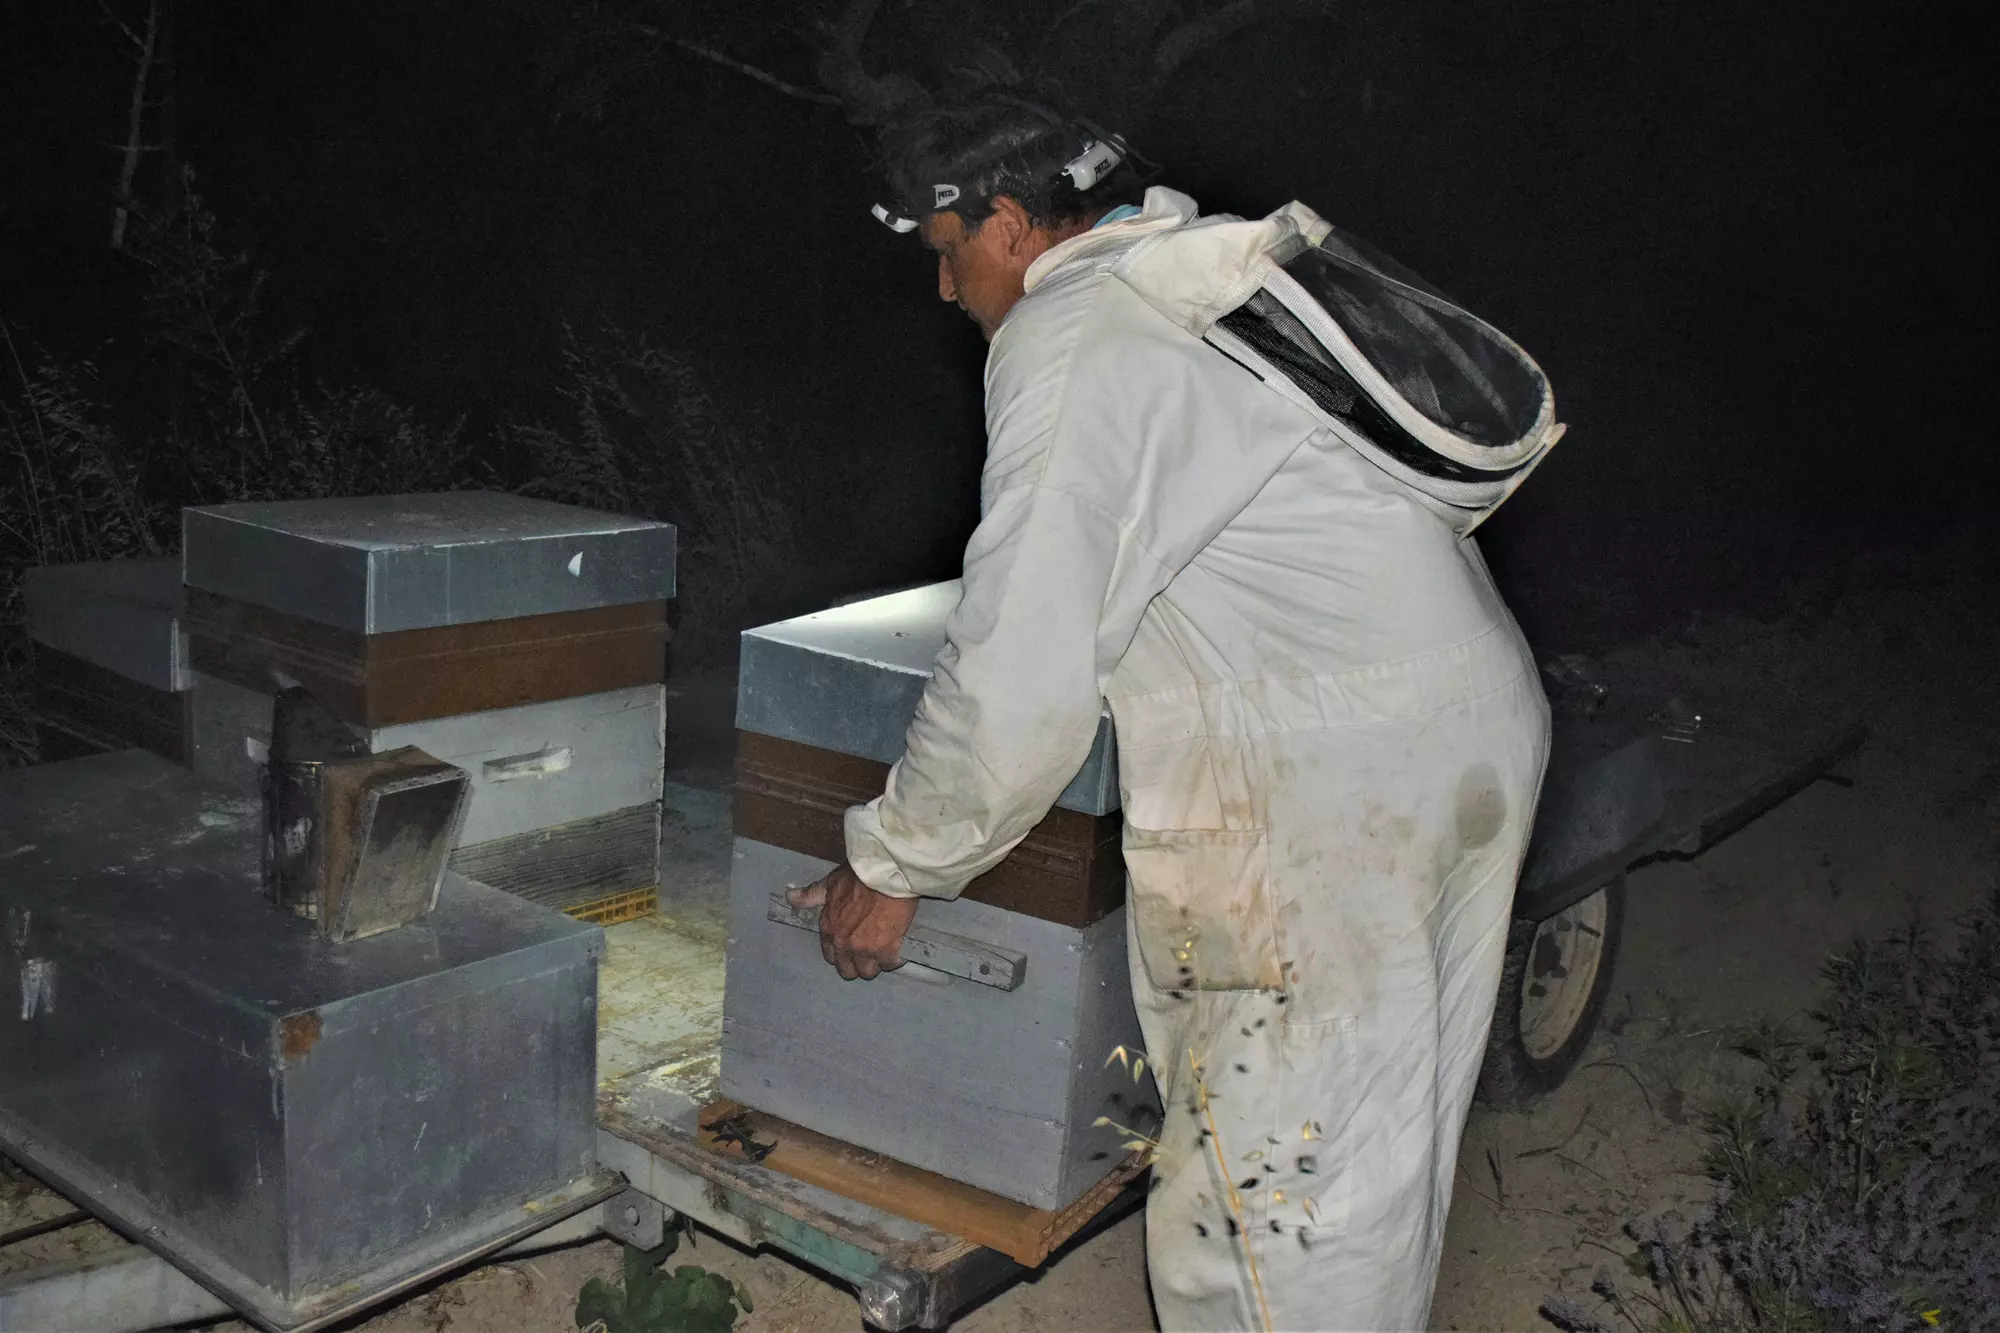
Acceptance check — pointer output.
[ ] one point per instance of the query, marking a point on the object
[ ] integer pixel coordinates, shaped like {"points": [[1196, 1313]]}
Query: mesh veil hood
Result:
{"points": [[1442, 401]]}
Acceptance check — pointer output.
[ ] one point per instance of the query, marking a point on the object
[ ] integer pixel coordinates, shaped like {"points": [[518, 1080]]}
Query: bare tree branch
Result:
{"points": [[120, 24], [135, 122], [1198, 34], [729, 62], [1075, 10], [852, 29], [841, 68], [1201, 33]]}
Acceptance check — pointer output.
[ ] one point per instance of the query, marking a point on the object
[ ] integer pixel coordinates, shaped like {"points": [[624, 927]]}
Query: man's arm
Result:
{"points": [[1178, 439], [1054, 588]]}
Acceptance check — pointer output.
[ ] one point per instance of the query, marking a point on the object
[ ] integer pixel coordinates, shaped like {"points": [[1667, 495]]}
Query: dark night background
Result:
{"points": [[618, 253], [1750, 244]]}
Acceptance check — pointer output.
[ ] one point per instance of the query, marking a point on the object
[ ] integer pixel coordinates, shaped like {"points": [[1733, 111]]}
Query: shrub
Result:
{"points": [[68, 491], [646, 439], [72, 489], [1857, 1190]]}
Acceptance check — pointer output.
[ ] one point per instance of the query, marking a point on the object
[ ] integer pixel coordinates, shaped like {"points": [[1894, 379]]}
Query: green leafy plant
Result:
{"points": [[651, 1300]]}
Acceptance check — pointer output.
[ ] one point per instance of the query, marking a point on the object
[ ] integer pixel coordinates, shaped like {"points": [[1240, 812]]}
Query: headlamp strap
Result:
{"points": [[1055, 153]]}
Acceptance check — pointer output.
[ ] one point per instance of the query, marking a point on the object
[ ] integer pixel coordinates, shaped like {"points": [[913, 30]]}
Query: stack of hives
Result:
{"points": [[522, 641]]}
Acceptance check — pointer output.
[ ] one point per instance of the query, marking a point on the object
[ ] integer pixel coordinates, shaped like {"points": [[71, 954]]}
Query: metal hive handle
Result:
{"points": [[954, 955]]}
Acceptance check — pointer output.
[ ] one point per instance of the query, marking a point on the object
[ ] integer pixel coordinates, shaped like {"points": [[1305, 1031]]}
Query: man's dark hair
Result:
{"points": [[990, 146]]}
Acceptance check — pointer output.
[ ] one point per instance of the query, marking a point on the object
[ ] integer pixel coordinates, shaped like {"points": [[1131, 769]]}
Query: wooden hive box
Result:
{"points": [[110, 657], [994, 1080], [521, 640]]}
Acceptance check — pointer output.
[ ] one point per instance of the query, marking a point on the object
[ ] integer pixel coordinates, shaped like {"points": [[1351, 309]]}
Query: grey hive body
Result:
{"points": [[998, 1088], [848, 680], [381, 564], [122, 615], [565, 794], [561, 732], [282, 1115]]}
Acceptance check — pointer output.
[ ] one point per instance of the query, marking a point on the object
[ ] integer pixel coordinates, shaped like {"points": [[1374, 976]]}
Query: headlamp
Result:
{"points": [[893, 221], [1100, 156]]}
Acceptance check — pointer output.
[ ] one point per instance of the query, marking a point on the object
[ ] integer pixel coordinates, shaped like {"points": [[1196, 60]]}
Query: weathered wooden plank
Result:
{"points": [[1070, 869], [104, 710], [1024, 1234], [379, 680]]}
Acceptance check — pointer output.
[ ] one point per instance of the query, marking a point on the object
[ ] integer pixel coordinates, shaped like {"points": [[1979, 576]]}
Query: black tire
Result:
{"points": [[1547, 1013]]}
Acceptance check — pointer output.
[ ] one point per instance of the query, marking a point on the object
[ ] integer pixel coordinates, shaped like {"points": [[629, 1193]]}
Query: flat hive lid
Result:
{"points": [[167, 897], [849, 679], [122, 615], [378, 564]]}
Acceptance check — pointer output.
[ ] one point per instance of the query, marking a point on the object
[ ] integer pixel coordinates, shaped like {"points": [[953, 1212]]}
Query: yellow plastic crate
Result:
{"points": [[629, 905]]}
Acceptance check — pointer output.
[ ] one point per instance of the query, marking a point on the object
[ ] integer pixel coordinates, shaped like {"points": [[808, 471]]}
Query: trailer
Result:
{"points": [[1640, 771]]}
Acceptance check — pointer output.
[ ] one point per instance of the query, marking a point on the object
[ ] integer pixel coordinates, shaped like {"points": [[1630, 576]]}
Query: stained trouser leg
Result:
{"points": [[1337, 1109]]}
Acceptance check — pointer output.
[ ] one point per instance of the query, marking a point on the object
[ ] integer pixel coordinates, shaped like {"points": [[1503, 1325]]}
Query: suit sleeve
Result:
{"points": [[1054, 587]]}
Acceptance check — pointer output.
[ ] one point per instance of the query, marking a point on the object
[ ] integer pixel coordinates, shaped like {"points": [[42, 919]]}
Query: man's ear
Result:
{"points": [[1013, 220]]}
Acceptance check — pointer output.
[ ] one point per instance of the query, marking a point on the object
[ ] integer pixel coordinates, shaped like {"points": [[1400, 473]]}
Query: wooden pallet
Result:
{"points": [[1026, 1235]]}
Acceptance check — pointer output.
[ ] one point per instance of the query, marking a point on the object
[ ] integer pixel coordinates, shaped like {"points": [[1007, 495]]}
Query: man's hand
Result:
{"points": [[860, 931]]}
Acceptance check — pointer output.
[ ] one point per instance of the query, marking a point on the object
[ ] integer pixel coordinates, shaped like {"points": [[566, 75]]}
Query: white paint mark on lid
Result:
{"points": [[576, 564], [38, 987]]}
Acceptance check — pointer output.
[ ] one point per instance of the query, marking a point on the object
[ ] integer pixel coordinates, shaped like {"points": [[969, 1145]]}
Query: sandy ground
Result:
{"points": [[1712, 947]]}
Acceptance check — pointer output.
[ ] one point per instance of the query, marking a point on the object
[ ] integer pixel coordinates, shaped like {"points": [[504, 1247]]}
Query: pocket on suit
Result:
{"points": [[1201, 908], [1312, 1180]]}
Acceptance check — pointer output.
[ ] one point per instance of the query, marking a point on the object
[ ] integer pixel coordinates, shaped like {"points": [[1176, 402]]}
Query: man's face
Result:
{"points": [[982, 271]]}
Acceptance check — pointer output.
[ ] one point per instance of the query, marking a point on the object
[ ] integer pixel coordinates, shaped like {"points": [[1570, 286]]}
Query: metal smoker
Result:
{"points": [[354, 841]]}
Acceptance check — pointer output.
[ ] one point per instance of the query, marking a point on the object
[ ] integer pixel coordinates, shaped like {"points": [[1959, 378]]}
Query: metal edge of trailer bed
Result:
{"points": [[130, 1288], [265, 1308], [1621, 810]]}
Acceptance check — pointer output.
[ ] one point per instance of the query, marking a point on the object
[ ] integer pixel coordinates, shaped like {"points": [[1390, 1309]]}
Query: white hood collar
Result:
{"points": [[1191, 269], [1163, 210]]}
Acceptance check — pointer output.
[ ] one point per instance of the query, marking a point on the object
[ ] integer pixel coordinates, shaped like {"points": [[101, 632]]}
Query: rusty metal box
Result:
{"points": [[288, 1119]]}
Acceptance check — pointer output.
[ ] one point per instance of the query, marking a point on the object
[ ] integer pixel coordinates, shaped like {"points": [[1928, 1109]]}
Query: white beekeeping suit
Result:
{"points": [[1330, 741]]}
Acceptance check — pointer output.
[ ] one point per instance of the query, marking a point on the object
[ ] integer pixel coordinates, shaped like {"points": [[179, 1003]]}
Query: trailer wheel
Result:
{"points": [[1552, 990]]}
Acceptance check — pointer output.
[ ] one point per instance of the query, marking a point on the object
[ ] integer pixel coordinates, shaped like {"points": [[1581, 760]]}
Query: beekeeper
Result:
{"points": [[1330, 732]]}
